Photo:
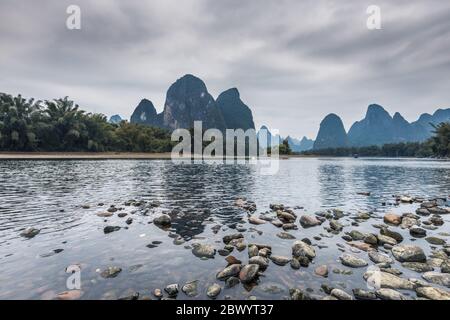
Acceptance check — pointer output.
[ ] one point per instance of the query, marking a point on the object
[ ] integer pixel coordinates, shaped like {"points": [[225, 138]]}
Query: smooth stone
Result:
{"points": [[252, 251], [309, 221], [408, 222], [228, 238], [417, 266], [104, 214], [213, 291], [371, 239], [110, 272], [408, 253], [248, 273], [389, 294], [232, 260], [435, 241], [231, 282], [445, 266], [418, 232], [442, 279], [230, 271], [158, 293], [382, 239], [302, 249], [295, 264], [285, 236], [109, 229], [340, 294], [433, 293], [297, 294], [172, 289], [190, 288], [383, 279], [280, 260], [163, 220], [261, 261], [322, 271], [393, 234], [352, 261], [203, 250], [122, 215], [129, 221], [392, 218], [255, 220], [378, 257], [30, 232], [335, 225], [361, 294]]}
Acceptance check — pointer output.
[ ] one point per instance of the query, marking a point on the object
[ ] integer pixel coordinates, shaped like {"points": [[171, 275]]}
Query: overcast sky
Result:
{"points": [[293, 61]]}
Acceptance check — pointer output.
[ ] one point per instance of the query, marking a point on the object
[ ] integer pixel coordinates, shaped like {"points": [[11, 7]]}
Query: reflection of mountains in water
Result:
{"points": [[201, 195]]}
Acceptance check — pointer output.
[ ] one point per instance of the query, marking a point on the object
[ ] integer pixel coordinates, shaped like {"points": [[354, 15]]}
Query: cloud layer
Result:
{"points": [[293, 61]]}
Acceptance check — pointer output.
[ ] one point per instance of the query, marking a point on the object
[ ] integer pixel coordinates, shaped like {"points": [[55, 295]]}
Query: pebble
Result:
{"points": [[392, 218], [172, 290], [433, 293], [302, 249], [408, 253], [322, 271], [203, 250], [248, 273], [163, 220], [285, 236], [352, 261], [389, 294], [110, 272], [280, 260], [109, 229], [340, 294], [230, 271], [30, 232], [213, 291], [378, 257], [309, 221], [442, 279], [190, 288]]}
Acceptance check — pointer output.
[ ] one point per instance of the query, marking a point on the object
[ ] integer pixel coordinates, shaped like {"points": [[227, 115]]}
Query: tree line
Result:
{"points": [[60, 125], [437, 146]]}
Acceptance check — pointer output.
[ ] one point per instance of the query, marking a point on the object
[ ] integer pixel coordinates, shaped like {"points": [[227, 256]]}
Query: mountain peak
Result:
{"points": [[236, 113], [331, 133], [375, 110], [232, 93]]}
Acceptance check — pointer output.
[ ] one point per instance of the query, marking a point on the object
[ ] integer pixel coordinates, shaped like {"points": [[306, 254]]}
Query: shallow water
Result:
{"points": [[49, 195]]}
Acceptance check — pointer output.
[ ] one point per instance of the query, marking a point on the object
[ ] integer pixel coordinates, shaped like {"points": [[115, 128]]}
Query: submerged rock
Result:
{"points": [[340, 294], [213, 291], [442, 279], [172, 290], [230, 271], [389, 294], [361, 294], [285, 236], [378, 257], [432, 293], [163, 220], [436, 241], [280, 260], [109, 229], [321, 271], [248, 273], [387, 280], [309, 221], [261, 261], [352, 261], [111, 272], [190, 288], [392, 218], [408, 253], [417, 266], [69, 295], [203, 250], [30, 232], [302, 249]]}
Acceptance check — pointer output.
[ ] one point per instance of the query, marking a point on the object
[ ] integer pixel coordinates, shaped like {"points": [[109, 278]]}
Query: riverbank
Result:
{"points": [[98, 155]]}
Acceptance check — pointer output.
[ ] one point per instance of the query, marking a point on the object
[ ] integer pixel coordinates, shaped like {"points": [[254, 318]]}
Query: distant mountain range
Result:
{"points": [[188, 100], [377, 128]]}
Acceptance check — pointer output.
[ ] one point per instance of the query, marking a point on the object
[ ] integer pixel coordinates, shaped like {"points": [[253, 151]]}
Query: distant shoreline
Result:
{"points": [[127, 156]]}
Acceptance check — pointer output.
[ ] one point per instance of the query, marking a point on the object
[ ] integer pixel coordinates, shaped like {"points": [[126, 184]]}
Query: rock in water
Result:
{"points": [[340, 294], [30, 232], [309, 221], [163, 220], [111, 272], [432, 293], [442, 279], [213, 291], [285, 236], [392, 218], [261, 261], [390, 294], [109, 229], [386, 280], [322, 271], [190, 288], [248, 273], [229, 271], [408, 253], [203, 250], [378, 257], [352, 261], [302, 249], [255, 220], [172, 289], [280, 260]]}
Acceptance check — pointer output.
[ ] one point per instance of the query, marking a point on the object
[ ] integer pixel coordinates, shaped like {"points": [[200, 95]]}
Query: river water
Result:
{"points": [[53, 196]]}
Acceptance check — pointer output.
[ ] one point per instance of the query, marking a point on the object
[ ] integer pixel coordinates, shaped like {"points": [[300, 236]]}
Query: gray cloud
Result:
{"points": [[293, 61]]}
